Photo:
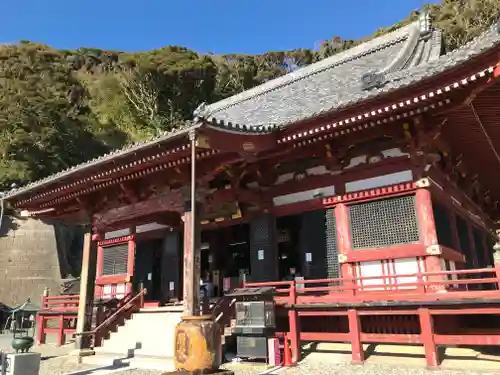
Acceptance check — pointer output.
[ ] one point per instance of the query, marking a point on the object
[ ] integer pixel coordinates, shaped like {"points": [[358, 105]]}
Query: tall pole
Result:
{"points": [[191, 235], [192, 138]]}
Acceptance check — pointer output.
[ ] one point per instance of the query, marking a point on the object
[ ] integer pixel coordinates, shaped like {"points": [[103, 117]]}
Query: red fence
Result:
{"points": [[472, 283], [438, 308], [63, 311]]}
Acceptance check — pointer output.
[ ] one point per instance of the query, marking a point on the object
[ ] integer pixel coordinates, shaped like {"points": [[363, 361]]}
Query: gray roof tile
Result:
{"points": [[334, 83]]}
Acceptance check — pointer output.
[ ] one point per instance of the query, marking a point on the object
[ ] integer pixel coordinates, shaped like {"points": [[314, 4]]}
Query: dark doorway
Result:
{"points": [[288, 232], [237, 257], [147, 268]]}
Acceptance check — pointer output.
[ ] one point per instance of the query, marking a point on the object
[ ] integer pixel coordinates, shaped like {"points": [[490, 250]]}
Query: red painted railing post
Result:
{"points": [[40, 329], [420, 282], [427, 337], [358, 354], [497, 273], [60, 331], [355, 285], [142, 297], [293, 320]]}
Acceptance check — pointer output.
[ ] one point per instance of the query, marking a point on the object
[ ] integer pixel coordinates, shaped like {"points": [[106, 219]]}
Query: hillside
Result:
{"points": [[59, 107]]}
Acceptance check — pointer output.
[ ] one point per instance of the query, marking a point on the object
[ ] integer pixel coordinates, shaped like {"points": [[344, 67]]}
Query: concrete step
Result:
{"points": [[110, 360], [145, 334], [162, 309]]}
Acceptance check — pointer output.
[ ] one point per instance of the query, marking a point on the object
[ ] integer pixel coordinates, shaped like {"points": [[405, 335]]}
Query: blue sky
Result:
{"points": [[219, 26]]}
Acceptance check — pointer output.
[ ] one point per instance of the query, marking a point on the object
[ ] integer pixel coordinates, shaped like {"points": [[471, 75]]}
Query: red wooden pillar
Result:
{"points": [[344, 242], [130, 263], [427, 337], [294, 322], [428, 236], [87, 285], [358, 354]]}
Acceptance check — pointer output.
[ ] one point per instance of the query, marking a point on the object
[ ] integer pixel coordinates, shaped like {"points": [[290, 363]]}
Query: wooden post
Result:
{"points": [[41, 324], [294, 322], [358, 354], [60, 331], [427, 337], [428, 236], [344, 242], [87, 285], [496, 260], [192, 272], [191, 277]]}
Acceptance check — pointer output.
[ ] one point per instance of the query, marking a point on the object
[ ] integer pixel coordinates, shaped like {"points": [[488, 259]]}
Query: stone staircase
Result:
{"points": [[144, 341]]}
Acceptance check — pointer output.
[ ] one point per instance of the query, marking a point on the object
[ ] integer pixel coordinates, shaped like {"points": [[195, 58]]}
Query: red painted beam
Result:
{"points": [[394, 252], [466, 339], [324, 336], [385, 338]]}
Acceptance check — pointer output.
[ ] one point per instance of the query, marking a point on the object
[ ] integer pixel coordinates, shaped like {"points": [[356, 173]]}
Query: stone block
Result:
{"points": [[23, 363]]}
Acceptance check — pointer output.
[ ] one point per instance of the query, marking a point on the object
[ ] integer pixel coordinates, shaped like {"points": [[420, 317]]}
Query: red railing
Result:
{"points": [[60, 303], [339, 310], [126, 309], [61, 309], [425, 286]]}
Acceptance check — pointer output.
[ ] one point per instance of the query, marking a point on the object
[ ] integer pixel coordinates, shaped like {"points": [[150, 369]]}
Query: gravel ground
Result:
{"points": [[61, 366], [239, 369], [139, 372], [319, 368]]}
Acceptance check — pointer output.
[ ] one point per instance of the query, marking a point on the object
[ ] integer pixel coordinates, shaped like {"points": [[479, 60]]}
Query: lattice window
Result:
{"points": [[115, 260], [384, 222], [332, 255]]}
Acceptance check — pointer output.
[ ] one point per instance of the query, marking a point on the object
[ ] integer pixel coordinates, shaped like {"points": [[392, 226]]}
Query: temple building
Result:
{"points": [[373, 165]]}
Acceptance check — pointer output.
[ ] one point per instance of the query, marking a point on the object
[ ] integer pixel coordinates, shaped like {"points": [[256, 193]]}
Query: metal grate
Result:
{"points": [[115, 260], [332, 255], [251, 347], [385, 222]]}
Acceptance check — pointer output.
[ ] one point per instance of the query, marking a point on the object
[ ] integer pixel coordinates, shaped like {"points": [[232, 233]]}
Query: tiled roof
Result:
{"points": [[336, 82], [111, 156]]}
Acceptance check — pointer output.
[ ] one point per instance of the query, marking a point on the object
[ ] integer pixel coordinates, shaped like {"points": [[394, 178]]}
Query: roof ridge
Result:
{"points": [[442, 61], [406, 52], [356, 52], [111, 155]]}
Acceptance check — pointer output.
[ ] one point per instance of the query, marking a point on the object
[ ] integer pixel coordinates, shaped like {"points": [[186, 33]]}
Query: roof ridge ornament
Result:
{"points": [[373, 80], [200, 109], [425, 22]]}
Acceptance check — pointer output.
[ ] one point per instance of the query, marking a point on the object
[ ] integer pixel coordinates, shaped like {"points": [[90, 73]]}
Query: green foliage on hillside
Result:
{"points": [[59, 107]]}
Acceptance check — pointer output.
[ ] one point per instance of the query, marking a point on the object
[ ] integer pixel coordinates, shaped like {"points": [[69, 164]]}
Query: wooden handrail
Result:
{"points": [[114, 315]]}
